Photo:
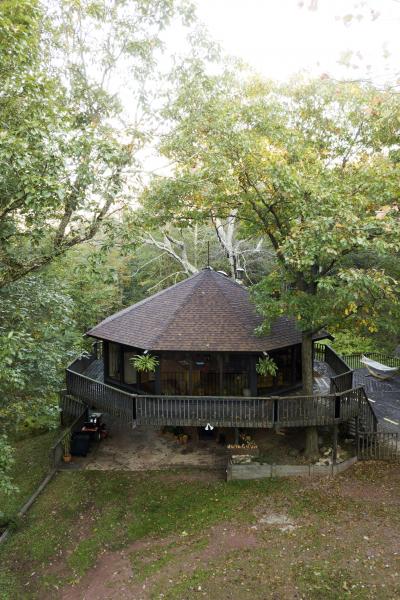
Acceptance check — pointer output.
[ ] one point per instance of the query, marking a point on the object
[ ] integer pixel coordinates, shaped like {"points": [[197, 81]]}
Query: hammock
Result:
{"points": [[378, 369]]}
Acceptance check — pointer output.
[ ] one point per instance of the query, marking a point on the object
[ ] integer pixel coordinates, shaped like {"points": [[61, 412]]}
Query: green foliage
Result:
{"points": [[308, 165], [6, 462], [351, 343], [29, 467], [145, 362], [38, 335], [64, 151], [266, 366]]}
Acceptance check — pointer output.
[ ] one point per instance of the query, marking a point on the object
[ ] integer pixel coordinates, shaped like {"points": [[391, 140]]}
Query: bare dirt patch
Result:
{"points": [[143, 449], [114, 575]]}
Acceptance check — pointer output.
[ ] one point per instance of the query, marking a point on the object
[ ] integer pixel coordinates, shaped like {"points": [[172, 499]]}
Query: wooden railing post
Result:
{"points": [[334, 445]]}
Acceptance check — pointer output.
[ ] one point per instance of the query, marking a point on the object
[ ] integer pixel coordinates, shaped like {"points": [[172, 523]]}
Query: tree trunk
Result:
{"points": [[311, 443], [311, 450], [307, 363]]}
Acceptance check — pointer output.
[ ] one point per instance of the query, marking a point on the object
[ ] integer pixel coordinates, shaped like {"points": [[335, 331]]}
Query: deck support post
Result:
{"points": [[334, 444], [253, 376], [157, 379], [236, 436], [194, 434], [357, 434]]}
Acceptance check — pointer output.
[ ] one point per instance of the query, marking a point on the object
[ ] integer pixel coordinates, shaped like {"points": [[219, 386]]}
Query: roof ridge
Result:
{"points": [[141, 302], [229, 301]]}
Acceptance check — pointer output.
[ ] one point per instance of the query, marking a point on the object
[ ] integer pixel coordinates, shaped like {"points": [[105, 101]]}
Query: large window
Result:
{"points": [[204, 374], [235, 381], [206, 377], [114, 369], [130, 375], [174, 374], [289, 371]]}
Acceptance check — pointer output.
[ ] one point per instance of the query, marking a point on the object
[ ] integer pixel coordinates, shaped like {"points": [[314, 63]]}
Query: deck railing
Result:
{"points": [[343, 378], [342, 382], [200, 410], [342, 404], [337, 362], [266, 412], [80, 364], [102, 396], [366, 416], [305, 410]]}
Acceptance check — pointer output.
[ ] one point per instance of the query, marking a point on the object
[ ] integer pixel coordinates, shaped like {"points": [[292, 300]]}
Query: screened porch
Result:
{"points": [[202, 373]]}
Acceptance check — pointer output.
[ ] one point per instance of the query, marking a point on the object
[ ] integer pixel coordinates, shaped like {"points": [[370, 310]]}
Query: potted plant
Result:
{"points": [[145, 362], [266, 366], [67, 447]]}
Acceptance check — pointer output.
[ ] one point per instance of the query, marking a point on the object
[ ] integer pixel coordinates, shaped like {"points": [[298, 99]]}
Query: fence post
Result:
{"points": [[337, 406], [61, 397], [357, 433], [334, 446]]}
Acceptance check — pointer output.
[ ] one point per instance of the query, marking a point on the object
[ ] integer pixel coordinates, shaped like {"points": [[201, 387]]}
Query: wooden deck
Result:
{"points": [[157, 411]]}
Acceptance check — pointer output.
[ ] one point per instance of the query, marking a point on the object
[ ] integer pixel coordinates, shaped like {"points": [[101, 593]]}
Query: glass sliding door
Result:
{"points": [[114, 366]]}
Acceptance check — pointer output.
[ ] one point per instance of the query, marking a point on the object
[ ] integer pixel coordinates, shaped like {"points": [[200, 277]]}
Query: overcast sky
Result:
{"points": [[280, 37]]}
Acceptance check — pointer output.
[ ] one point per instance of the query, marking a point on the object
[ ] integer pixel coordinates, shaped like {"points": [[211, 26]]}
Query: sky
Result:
{"points": [[279, 38]]}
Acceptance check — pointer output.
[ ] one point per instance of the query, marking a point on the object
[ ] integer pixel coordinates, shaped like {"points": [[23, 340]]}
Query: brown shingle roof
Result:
{"points": [[206, 312]]}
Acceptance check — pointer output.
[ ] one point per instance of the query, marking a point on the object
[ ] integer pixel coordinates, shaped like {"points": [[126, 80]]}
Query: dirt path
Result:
{"points": [[115, 576]]}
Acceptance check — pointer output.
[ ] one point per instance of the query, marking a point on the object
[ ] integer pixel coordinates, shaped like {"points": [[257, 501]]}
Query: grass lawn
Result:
{"points": [[175, 535], [30, 468]]}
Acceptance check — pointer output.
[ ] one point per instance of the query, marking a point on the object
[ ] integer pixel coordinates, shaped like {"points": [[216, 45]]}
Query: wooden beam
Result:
{"points": [[334, 444]]}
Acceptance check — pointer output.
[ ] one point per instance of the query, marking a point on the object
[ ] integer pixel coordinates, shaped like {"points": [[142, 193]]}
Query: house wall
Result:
{"points": [[203, 374]]}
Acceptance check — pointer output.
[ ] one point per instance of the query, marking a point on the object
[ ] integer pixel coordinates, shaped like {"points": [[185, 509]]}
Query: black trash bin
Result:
{"points": [[80, 443]]}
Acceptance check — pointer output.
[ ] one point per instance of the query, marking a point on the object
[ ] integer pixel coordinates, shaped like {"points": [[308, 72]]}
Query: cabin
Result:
{"points": [[202, 333]]}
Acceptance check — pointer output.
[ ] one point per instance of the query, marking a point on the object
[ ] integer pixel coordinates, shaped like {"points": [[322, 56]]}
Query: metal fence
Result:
{"points": [[378, 445], [354, 360], [57, 450]]}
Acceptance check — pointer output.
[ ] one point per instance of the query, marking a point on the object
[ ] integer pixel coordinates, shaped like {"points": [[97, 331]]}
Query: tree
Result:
{"points": [[309, 166], [65, 153], [218, 241]]}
